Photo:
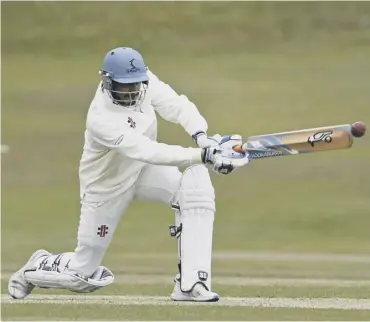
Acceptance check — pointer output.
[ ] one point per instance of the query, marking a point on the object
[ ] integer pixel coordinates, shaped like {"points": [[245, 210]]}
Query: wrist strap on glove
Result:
{"points": [[196, 135]]}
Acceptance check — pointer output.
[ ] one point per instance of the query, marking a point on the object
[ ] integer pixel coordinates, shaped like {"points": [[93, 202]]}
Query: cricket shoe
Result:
{"points": [[18, 287], [199, 293]]}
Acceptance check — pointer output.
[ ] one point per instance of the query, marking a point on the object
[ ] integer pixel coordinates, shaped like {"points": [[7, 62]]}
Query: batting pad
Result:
{"points": [[53, 273], [196, 198]]}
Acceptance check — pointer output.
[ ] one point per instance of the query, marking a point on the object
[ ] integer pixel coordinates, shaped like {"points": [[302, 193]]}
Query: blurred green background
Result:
{"points": [[251, 68]]}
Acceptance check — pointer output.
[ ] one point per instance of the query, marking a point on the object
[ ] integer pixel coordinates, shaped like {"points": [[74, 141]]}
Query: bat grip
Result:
{"points": [[239, 149]]}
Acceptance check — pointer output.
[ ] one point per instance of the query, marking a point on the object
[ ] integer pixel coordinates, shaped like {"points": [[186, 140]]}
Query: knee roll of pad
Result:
{"points": [[196, 190]]}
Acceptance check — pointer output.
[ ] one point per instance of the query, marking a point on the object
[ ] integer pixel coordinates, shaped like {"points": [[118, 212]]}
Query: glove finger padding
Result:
{"points": [[240, 160], [229, 160], [204, 141], [229, 141], [216, 139], [223, 166]]}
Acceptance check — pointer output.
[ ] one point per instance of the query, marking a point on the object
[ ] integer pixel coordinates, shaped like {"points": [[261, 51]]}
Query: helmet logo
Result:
{"points": [[133, 68]]}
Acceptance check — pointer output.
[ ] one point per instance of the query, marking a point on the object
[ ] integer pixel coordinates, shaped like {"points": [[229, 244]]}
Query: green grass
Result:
{"points": [[251, 68], [55, 312]]}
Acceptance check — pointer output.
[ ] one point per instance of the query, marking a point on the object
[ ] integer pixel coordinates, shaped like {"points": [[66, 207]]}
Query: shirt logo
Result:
{"points": [[131, 122]]}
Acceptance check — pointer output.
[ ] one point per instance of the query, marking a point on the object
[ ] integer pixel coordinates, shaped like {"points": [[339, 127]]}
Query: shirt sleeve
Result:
{"points": [[139, 147], [175, 108]]}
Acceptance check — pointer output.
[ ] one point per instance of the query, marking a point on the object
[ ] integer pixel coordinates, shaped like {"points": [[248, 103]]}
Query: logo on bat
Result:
{"points": [[320, 136], [259, 154]]}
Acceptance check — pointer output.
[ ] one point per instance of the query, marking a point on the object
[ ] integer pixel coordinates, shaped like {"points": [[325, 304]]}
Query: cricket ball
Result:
{"points": [[358, 129]]}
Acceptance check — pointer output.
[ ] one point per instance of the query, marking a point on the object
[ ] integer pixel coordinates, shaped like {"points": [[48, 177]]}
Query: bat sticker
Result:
{"points": [[320, 136], [259, 154]]}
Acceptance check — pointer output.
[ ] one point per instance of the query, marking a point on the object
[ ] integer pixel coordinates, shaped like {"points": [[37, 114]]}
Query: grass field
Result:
{"points": [[286, 228]]}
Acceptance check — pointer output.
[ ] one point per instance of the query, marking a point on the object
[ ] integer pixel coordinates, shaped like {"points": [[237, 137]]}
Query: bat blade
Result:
{"points": [[298, 142]]}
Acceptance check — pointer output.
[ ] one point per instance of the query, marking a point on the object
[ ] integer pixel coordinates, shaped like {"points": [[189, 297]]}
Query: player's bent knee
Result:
{"points": [[54, 273], [70, 280]]}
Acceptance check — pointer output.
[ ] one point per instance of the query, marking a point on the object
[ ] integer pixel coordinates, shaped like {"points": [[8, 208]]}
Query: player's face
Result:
{"points": [[126, 94]]}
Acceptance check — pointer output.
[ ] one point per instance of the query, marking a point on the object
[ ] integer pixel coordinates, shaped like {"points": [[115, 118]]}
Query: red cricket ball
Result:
{"points": [[358, 129]]}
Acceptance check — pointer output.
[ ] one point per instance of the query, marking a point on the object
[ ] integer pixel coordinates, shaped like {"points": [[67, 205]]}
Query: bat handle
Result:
{"points": [[239, 149]]}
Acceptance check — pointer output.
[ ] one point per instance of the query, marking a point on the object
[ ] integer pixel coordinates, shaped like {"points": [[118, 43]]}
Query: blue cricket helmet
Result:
{"points": [[124, 76]]}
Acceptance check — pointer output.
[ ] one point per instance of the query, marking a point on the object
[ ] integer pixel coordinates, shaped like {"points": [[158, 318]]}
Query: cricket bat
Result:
{"points": [[299, 142]]}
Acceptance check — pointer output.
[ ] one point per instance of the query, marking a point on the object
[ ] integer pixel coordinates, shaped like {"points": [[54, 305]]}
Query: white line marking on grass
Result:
{"points": [[314, 303], [134, 279], [297, 257], [247, 281]]}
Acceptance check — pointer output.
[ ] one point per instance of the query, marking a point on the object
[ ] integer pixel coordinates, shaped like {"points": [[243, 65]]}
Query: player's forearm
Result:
{"points": [[163, 154]]}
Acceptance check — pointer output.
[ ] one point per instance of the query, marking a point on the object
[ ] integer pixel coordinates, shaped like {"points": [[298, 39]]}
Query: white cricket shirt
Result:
{"points": [[120, 141]]}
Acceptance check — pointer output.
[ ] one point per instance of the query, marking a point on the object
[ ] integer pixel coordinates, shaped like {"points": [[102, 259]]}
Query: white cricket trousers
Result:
{"points": [[98, 220]]}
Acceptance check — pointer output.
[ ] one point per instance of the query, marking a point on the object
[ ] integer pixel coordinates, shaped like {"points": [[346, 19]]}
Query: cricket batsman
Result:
{"points": [[122, 160]]}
